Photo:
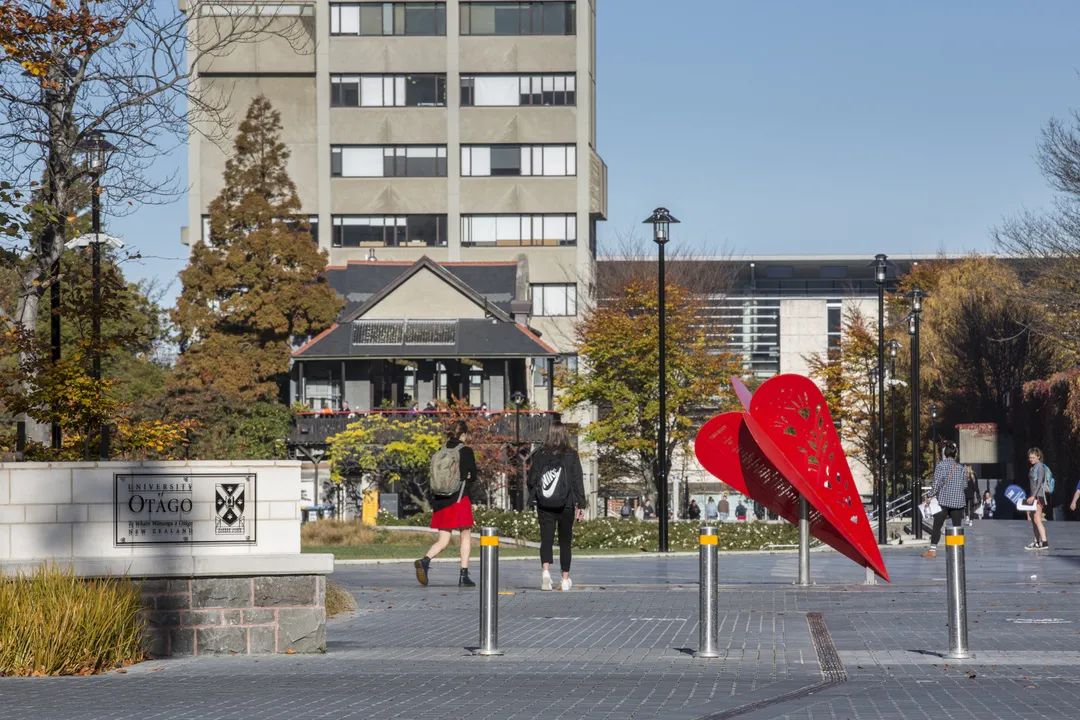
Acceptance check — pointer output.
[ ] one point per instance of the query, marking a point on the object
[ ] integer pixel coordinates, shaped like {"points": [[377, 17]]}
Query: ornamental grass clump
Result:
{"points": [[53, 623]]}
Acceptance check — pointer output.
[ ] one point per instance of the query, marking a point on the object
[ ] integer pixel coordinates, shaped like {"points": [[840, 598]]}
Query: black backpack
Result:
{"points": [[550, 482]]}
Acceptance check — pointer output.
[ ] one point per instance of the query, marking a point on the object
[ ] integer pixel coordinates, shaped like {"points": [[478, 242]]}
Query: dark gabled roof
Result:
{"points": [[469, 338], [359, 281]]}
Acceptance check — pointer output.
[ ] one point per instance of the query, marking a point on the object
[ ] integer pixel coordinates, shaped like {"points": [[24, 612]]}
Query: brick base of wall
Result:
{"points": [[235, 615]]}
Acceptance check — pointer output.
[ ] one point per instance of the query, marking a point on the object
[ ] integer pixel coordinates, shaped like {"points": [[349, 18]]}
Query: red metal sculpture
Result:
{"points": [[783, 445]]}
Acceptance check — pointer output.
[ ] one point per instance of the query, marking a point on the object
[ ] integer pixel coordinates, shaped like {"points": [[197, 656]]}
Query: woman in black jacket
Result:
{"points": [[454, 512], [557, 487]]}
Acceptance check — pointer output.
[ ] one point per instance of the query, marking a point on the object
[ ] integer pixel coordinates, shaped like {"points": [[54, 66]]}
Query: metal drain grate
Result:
{"points": [[832, 670]]}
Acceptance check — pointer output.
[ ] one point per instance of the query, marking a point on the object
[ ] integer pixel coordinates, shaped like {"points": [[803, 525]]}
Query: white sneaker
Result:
{"points": [[545, 581], [566, 584]]}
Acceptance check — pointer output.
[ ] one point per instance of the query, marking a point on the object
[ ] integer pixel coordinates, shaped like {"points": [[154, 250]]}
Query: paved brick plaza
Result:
{"points": [[614, 647]]}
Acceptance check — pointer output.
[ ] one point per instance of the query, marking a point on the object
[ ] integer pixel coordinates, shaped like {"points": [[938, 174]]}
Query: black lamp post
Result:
{"points": [[933, 431], [96, 150], [881, 268], [518, 399], [894, 347], [661, 221], [916, 296]]}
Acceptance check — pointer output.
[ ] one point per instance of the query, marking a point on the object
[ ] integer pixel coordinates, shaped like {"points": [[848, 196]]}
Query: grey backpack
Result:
{"points": [[446, 471]]}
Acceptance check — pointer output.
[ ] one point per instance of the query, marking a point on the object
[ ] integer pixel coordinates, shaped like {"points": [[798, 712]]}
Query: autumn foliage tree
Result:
{"points": [[980, 338], [848, 378], [618, 347], [73, 68], [256, 284]]}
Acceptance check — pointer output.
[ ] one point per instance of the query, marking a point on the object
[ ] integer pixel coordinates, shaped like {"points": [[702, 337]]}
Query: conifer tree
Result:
{"points": [[255, 284]]}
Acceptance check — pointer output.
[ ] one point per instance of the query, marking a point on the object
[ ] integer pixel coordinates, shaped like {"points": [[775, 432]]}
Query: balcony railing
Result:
{"points": [[313, 429]]}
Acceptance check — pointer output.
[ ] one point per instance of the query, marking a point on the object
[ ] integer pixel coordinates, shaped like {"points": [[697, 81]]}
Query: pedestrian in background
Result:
{"points": [[693, 512], [724, 508], [557, 487], [971, 494], [989, 507], [454, 512], [950, 479], [710, 509], [1038, 486]]}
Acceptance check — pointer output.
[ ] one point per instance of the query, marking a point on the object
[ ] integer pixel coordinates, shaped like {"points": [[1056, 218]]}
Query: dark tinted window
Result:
{"points": [[420, 19], [834, 272], [779, 272], [506, 160], [344, 93], [425, 90], [518, 18]]}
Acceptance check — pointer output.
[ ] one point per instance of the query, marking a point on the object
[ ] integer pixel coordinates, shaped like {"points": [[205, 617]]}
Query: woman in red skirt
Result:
{"points": [[454, 512]]}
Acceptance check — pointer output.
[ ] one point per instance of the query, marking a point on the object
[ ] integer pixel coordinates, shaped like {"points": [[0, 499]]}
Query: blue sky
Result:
{"points": [[798, 126]]}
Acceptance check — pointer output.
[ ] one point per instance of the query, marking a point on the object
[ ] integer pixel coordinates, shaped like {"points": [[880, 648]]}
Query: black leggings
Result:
{"points": [[548, 520], [957, 515]]}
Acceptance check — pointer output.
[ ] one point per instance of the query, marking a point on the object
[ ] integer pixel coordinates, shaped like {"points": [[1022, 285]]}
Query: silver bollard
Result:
{"points": [[957, 594], [489, 592], [708, 645], [804, 542]]}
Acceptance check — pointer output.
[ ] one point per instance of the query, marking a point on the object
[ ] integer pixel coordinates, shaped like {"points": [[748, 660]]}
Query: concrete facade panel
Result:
{"points": [[294, 98], [518, 54], [518, 195], [482, 125], [391, 126], [803, 333], [278, 45], [386, 55], [388, 196]]}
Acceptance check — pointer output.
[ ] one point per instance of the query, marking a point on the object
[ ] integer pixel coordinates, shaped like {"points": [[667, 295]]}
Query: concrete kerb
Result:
{"points": [[586, 555]]}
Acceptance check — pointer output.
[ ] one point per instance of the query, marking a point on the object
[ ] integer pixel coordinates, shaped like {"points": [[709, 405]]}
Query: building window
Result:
{"points": [[515, 90], [539, 373], [553, 299], [313, 224], [569, 364], [518, 160], [749, 329], [518, 18], [388, 18], [389, 231], [388, 161], [420, 90], [835, 329], [514, 230]]}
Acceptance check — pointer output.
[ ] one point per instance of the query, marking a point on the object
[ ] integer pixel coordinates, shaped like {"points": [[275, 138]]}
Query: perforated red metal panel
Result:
{"points": [[784, 445]]}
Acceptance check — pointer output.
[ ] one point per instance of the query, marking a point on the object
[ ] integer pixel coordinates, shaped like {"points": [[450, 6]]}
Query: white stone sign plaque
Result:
{"points": [[188, 508]]}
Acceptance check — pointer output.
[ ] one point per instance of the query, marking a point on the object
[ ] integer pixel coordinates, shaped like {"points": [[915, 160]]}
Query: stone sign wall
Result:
{"points": [[215, 544]]}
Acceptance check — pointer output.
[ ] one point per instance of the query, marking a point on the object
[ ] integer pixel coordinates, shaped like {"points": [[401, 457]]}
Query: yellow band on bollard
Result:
{"points": [[489, 540], [954, 539], [708, 539]]}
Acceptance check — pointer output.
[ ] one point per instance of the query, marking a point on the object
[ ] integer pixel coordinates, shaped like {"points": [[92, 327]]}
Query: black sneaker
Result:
{"points": [[421, 566], [1034, 546], [464, 580]]}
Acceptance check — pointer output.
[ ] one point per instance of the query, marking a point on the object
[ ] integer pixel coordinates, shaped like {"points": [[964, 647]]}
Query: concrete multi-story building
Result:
{"points": [[426, 135], [461, 131]]}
